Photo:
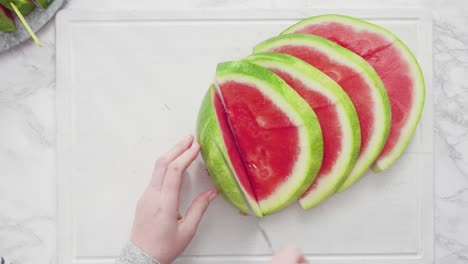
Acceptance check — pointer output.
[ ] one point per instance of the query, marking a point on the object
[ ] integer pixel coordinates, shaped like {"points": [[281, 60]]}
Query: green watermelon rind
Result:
{"points": [[354, 61], [299, 112], [348, 118], [220, 172], [383, 163]]}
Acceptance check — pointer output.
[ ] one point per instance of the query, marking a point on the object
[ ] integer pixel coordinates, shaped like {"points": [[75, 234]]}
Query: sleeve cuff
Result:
{"points": [[131, 254], [4, 261]]}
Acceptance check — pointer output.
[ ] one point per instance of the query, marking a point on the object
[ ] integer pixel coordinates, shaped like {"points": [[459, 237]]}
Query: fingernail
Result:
{"points": [[212, 195], [188, 137]]}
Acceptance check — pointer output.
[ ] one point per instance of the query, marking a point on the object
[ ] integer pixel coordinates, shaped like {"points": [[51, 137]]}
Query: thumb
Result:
{"points": [[289, 255], [196, 211]]}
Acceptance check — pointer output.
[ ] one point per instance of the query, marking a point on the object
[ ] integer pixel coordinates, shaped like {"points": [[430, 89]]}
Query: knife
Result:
{"points": [[244, 195]]}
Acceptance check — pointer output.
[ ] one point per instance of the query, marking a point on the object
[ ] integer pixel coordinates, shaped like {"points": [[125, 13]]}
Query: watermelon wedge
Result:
{"points": [[357, 78], [277, 133], [223, 163], [392, 60], [336, 114], [6, 20]]}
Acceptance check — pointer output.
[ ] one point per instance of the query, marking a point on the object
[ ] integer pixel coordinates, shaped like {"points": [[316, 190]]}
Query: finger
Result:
{"points": [[173, 178], [293, 251], [179, 216], [302, 258], [160, 166], [289, 254], [196, 211]]}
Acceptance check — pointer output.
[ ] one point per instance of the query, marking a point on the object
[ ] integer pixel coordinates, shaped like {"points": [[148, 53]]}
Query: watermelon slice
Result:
{"points": [[336, 114], [6, 20], [217, 144], [359, 81], [395, 64], [277, 133], [24, 6]]}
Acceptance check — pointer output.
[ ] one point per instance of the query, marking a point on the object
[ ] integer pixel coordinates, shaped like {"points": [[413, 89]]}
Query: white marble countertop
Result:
{"points": [[27, 126]]}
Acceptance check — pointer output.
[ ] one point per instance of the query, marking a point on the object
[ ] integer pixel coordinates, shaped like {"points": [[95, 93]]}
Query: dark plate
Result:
{"points": [[37, 19]]}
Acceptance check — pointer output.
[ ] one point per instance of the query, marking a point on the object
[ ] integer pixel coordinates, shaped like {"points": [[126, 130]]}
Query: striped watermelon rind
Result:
{"points": [[383, 162], [320, 82], [353, 61], [218, 165], [299, 112]]}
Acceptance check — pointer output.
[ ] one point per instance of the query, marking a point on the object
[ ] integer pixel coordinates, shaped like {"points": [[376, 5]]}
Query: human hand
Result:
{"points": [[289, 255], [158, 228]]}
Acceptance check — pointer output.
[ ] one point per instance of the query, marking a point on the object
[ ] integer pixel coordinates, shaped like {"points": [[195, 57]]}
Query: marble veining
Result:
{"points": [[451, 129], [27, 131]]}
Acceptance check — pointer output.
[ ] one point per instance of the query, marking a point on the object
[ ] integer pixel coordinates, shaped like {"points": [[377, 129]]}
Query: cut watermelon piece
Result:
{"points": [[336, 114], [6, 20], [277, 133], [357, 78], [24, 6], [221, 156], [395, 64]]}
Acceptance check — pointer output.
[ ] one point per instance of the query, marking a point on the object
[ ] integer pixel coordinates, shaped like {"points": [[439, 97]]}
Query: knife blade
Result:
{"points": [[260, 228], [258, 221]]}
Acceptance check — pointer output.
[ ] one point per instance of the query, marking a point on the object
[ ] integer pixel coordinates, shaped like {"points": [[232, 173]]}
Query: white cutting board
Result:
{"points": [[129, 85]]}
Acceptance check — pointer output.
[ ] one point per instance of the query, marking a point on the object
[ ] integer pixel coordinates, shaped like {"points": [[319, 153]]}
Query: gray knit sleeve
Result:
{"points": [[4, 261], [131, 254]]}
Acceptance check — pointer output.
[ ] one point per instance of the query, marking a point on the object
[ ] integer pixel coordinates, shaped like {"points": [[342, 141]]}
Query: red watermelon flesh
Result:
{"points": [[351, 81], [365, 42], [380, 53], [356, 77], [399, 89], [266, 138], [328, 117], [231, 147], [395, 65]]}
